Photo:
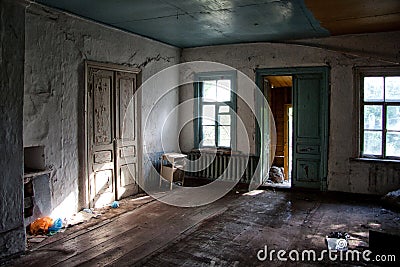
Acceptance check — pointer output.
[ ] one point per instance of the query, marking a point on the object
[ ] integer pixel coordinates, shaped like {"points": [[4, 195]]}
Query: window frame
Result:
{"points": [[198, 94], [361, 73]]}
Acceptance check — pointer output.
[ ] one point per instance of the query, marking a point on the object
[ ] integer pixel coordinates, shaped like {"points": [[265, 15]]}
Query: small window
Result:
{"points": [[380, 120], [216, 107]]}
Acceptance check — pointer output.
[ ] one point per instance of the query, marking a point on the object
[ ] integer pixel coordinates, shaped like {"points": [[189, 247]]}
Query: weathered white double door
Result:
{"points": [[112, 133]]}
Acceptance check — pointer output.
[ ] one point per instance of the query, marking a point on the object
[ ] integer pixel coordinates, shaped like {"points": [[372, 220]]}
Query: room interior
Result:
{"points": [[75, 75]]}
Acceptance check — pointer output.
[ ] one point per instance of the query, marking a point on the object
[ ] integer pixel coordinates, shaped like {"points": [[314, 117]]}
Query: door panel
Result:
{"points": [[102, 114], [111, 135], [310, 131], [101, 136], [126, 141], [308, 149], [126, 177], [308, 106], [102, 188], [307, 170]]}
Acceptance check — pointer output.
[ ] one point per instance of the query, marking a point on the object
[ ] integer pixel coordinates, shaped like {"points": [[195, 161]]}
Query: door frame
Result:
{"points": [[292, 71], [287, 140], [83, 186]]}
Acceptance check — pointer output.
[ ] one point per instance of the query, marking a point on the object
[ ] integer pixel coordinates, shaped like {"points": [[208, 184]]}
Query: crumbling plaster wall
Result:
{"points": [[341, 54], [57, 44], [12, 29]]}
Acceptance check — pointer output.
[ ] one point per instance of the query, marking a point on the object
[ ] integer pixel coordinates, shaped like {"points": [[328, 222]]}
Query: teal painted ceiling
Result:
{"points": [[191, 23]]}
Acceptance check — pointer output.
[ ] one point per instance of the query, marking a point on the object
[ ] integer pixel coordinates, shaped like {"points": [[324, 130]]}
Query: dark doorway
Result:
{"points": [[310, 114]]}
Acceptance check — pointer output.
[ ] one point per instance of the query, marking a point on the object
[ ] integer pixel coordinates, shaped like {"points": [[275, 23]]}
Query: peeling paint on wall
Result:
{"points": [[56, 46]]}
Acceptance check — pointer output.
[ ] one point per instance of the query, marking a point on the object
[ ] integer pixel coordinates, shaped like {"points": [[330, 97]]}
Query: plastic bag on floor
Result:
{"points": [[114, 205], [41, 225], [56, 226]]}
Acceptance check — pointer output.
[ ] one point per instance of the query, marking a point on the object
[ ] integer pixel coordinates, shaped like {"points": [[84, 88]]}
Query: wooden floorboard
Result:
{"points": [[110, 241], [228, 232], [154, 237], [128, 204]]}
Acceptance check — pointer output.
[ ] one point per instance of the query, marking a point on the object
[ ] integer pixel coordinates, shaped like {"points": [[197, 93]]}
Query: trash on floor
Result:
{"points": [[337, 241], [57, 225], [392, 199], [114, 205], [82, 216], [276, 174], [88, 210], [45, 226], [40, 225], [36, 239]]}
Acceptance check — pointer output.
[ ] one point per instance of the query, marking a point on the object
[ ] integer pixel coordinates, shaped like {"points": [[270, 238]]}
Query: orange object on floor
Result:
{"points": [[41, 225]]}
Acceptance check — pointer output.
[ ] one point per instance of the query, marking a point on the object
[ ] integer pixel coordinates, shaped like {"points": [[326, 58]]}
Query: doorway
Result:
{"points": [[279, 97], [306, 153], [112, 133], [288, 142]]}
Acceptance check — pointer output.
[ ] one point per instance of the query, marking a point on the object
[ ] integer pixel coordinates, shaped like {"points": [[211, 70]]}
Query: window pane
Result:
{"points": [[373, 117], [393, 118], [224, 136], [208, 116], [392, 88], [223, 109], [205, 121], [210, 91], [224, 119], [393, 144], [373, 89], [372, 143], [224, 90], [208, 136]]}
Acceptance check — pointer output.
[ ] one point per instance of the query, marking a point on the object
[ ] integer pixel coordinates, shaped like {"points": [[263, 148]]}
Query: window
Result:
{"points": [[216, 105], [380, 110]]}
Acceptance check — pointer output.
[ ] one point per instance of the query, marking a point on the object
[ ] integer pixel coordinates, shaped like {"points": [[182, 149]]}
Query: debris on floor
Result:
{"points": [[337, 241], [87, 218], [57, 225], [41, 225], [114, 205], [276, 174], [82, 216], [281, 220], [36, 239], [392, 199], [47, 226], [88, 210]]}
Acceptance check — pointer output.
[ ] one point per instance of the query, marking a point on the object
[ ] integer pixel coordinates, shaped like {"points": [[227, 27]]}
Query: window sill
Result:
{"points": [[376, 160]]}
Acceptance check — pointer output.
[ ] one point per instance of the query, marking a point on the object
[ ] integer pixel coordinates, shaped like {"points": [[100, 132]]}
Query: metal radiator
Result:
{"points": [[208, 167]]}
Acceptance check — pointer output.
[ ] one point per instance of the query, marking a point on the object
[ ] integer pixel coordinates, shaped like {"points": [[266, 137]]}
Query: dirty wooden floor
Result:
{"points": [[228, 232]]}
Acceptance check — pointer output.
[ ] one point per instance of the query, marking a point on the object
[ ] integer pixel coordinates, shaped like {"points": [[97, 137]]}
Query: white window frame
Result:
{"points": [[360, 73]]}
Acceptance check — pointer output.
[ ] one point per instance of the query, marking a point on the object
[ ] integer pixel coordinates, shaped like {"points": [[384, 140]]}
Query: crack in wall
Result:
{"points": [[42, 11], [153, 59], [132, 56]]}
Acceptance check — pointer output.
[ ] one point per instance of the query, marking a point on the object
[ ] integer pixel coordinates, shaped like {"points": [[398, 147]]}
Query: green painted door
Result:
{"points": [[310, 119]]}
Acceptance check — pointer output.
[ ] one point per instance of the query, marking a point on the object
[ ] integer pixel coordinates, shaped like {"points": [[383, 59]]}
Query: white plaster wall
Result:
{"points": [[56, 46], [12, 24], [341, 54]]}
